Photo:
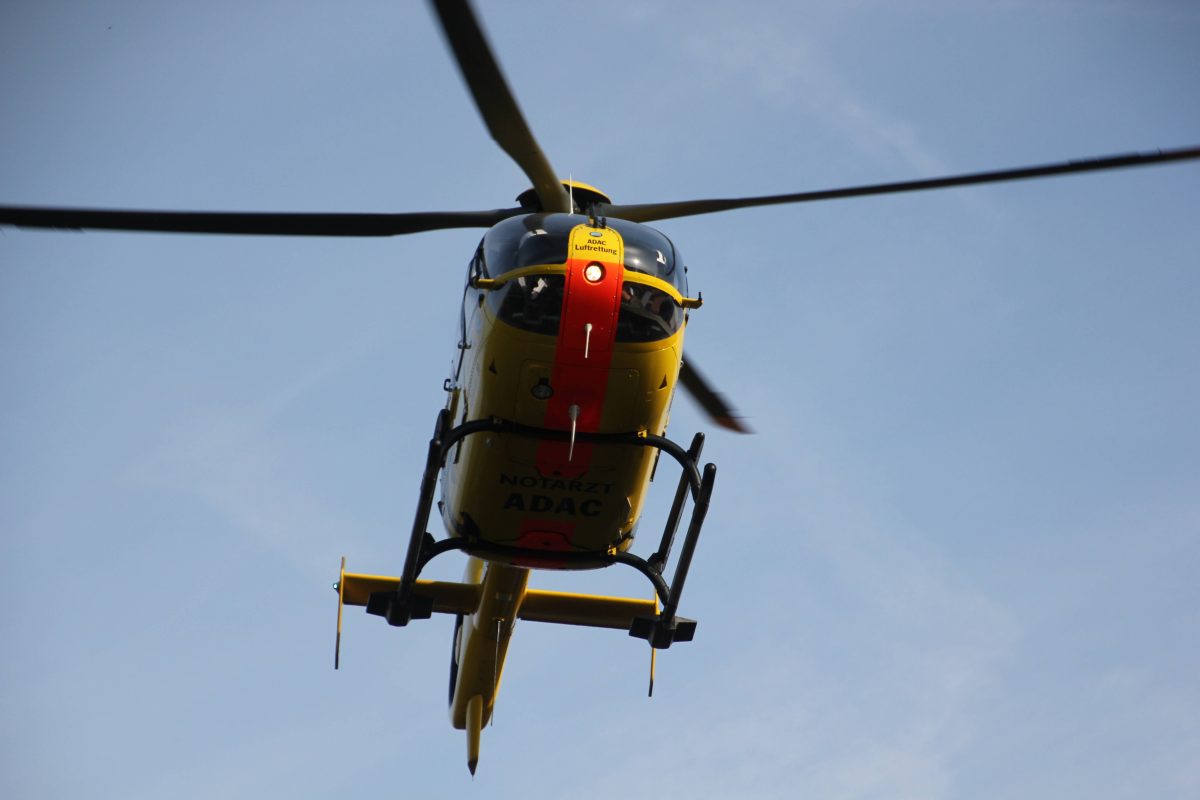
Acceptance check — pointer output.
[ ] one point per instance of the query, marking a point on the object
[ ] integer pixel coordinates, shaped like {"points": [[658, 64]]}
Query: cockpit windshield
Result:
{"points": [[647, 314], [538, 239], [534, 302]]}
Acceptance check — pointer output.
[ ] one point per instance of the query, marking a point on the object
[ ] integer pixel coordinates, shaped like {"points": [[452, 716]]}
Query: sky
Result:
{"points": [[956, 560]]}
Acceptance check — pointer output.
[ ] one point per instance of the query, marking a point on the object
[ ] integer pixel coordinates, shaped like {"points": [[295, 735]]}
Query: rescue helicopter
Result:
{"points": [[569, 354]]}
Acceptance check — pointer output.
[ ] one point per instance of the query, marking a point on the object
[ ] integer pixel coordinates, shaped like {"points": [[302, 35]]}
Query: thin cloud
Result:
{"points": [[232, 460], [785, 69], [879, 694]]}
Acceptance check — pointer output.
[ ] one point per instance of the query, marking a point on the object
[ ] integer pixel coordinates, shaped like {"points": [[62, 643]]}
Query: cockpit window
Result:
{"points": [[647, 314], [528, 241], [536, 239], [649, 252], [532, 303]]}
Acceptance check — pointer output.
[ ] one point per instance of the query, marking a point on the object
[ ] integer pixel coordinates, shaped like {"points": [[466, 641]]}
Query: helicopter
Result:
{"points": [[515, 306]]}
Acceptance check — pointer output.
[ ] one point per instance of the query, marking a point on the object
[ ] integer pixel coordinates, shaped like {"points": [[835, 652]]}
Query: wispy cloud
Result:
{"points": [[872, 685], [234, 460], [786, 69]]}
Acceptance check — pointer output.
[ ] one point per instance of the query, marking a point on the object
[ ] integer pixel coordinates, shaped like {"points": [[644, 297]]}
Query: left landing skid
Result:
{"points": [[661, 630]]}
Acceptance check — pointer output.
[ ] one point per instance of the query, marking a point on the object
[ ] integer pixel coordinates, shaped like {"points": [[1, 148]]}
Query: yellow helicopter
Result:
{"points": [[569, 354]]}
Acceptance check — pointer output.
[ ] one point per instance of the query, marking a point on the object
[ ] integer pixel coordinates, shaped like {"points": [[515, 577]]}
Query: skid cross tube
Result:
{"points": [[507, 552], [401, 606], [691, 471]]}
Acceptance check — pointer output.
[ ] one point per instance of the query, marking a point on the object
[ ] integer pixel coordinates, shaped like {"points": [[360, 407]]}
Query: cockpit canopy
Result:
{"points": [[534, 302], [537, 239]]}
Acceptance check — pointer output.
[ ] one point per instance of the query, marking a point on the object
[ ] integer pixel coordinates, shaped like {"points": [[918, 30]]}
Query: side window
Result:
{"points": [[647, 314], [532, 303], [466, 313]]}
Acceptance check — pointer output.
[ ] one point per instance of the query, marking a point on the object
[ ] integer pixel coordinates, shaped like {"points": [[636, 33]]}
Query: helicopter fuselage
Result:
{"points": [[581, 343], [574, 342]]}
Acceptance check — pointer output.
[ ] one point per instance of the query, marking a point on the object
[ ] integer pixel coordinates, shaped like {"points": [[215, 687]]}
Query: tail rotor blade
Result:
{"points": [[653, 651], [337, 646]]}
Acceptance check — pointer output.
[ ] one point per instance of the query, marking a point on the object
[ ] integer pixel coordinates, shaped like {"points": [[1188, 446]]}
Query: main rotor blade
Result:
{"points": [[647, 212], [496, 103], [250, 222], [710, 400]]}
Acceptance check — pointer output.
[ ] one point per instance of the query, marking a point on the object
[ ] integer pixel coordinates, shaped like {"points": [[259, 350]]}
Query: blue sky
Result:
{"points": [[957, 560]]}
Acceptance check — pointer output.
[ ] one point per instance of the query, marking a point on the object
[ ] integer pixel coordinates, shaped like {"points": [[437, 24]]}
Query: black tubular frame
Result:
{"points": [[661, 630]]}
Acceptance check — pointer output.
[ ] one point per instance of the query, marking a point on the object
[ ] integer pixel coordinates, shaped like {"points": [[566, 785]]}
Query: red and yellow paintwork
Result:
{"points": [[536, 494], [546, 494]]}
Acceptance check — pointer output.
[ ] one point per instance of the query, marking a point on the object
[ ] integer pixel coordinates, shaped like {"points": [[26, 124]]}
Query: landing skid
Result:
{"points": [[661, 630]]}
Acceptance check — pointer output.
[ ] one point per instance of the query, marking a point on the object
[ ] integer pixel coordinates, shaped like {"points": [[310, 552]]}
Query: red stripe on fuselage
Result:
{"points": [[581, 361]]}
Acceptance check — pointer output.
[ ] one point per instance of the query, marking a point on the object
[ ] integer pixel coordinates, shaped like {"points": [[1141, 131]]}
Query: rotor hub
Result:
{"points": [[583, 195]]}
